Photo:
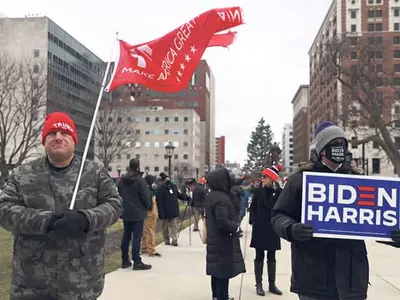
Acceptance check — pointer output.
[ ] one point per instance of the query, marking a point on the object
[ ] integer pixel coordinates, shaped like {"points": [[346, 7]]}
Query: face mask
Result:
{"points": [[153, 185], [336, 153]]}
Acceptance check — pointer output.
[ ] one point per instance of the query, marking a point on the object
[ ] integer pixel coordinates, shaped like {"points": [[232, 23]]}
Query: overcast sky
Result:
{"points": [[257, 77]]}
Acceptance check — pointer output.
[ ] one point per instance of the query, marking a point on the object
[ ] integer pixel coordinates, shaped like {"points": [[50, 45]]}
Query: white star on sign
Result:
{"points": [[187, 58], [177, 79], [179, 73], [182, 66], [193, 49]]}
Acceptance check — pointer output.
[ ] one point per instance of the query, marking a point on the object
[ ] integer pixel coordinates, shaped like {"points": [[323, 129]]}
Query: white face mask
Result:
{"points": [[153, 185]]}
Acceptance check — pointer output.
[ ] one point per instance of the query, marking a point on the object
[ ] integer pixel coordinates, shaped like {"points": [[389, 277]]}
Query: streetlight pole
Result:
{"points": [[169, 150]]}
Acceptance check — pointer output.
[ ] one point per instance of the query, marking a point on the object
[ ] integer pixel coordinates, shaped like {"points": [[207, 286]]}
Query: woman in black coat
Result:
{"points": [[263, 236], [224, 256]]}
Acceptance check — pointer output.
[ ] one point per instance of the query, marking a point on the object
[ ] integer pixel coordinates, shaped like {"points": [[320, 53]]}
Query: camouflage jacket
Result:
{"points": [[48, 266]]}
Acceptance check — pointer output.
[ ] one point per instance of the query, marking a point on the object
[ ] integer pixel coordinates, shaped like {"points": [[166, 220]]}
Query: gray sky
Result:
{"points": [[257, 77]]}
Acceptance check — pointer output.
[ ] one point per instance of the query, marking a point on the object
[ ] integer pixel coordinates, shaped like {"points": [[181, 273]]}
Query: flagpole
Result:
{"points": [[92, 126]]}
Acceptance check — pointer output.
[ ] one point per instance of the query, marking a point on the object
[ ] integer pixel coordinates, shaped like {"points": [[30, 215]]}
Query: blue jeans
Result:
{"points": [[132, 230]]}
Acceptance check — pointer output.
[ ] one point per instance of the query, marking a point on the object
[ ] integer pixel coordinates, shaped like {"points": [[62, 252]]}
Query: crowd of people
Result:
{"points": [[59, 253]]}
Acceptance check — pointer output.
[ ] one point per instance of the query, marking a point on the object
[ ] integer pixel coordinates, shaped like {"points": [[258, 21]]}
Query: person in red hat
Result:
{"points": [[263, 236], [58, 253]]}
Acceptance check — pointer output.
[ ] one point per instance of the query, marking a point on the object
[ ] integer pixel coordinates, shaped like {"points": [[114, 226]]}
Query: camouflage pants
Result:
{"points": [[149, 231]]}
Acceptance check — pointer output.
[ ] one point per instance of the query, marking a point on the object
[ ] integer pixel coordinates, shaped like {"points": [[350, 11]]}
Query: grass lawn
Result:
{"points": [[6, 243]]}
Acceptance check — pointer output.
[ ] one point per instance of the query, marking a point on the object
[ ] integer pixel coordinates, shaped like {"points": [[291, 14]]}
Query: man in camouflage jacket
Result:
{"points": [[58, 253]]}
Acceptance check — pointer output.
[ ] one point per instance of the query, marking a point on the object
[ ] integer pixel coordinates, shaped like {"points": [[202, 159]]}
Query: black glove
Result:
{"points": [[302, 232], [53, 219], [71, 224], [396, 236]]}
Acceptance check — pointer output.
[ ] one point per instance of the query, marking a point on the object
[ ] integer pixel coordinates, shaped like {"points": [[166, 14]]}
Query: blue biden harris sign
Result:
{"points": [[351, 206]]}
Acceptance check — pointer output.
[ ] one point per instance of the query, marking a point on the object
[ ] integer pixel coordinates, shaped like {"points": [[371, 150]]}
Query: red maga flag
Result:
{"points": [[166, 64]]}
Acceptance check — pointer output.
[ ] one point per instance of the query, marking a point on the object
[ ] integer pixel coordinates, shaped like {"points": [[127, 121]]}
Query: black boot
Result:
{"points": [[271, 278], [258, 271]]}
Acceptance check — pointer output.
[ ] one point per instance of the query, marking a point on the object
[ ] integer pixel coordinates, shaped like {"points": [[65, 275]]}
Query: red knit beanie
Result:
{"points": [[272, 172], [59, 121]]}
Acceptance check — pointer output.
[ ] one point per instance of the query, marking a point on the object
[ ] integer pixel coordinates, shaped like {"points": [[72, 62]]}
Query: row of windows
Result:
{"points": [[75, 54], [156, 169], [166, 132], [139, 119], [137, 156], [151, 144]]}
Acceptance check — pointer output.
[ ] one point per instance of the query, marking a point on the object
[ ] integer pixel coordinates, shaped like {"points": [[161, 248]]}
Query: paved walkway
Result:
{"points": [[180, 274]]}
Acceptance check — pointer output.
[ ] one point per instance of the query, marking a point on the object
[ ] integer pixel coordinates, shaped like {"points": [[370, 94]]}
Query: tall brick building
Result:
{"points": [[376, 23], [220, 150]]}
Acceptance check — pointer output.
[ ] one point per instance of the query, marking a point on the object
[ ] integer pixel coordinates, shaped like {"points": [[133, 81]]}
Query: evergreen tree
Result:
{"points": [[258, 148]]}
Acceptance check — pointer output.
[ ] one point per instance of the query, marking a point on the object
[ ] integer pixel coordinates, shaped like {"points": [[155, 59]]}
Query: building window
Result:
{"points": [[137, 156], [176, 119], [147, 132], [157, 119], [353, 146], [396, 12], [353, 28], [166, 131], [176, 131], [378, 13], [397, 68], [147, 119], [165, 169], [185, 131], [185, 156], [128, 156], [166, 119], [176, 156], [396, 26], [371, 27], [185, 144], [376, 166], [396, 54], [353, 55], [353, 14], [186, 119], [157, 144], [156, 169], [378, 27], [36, 53], [147, 169], [36, 69], [147, 144], [156, 131]]}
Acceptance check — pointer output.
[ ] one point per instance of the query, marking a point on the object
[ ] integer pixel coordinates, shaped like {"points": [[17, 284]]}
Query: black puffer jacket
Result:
{"points": [[321, 268], [136, 197], [224, 256], [167, 196]]}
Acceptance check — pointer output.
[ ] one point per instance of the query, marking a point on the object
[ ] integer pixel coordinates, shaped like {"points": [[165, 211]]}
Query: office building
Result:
{"points": [[74, 73], [377, 24], [301, 137], [152, 128], [287, 148]]}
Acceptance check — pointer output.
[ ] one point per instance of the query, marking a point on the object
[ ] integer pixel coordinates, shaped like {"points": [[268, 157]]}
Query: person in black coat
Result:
{"points": [[199, 195], [322, 268], [263, 236], [136, 203], [167, 195], [224, 255]]}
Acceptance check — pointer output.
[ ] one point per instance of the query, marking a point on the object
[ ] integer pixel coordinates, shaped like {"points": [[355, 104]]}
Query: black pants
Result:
{"points": [[132, 230], [311, 298], [220, 288], [260, 255]]}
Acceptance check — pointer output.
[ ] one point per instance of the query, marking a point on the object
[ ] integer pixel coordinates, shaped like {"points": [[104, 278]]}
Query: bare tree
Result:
{"points": [[370, 90], [23, 86], [115, 133], [183, 170]]}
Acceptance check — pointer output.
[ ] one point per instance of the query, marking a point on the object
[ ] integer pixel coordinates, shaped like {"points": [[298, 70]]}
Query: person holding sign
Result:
{"points": [[322, 268], [263, 236]]}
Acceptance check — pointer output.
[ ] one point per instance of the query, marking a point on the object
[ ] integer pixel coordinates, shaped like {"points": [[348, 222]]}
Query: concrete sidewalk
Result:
{"points": [[180, 274]]}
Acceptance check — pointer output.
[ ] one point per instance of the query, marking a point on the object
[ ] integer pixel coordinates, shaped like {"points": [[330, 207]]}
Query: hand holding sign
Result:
{"points": [[302, 232]]}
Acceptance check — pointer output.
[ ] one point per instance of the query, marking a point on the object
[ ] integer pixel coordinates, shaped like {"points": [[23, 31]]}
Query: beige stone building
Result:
{"points": [[154, 127]]}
